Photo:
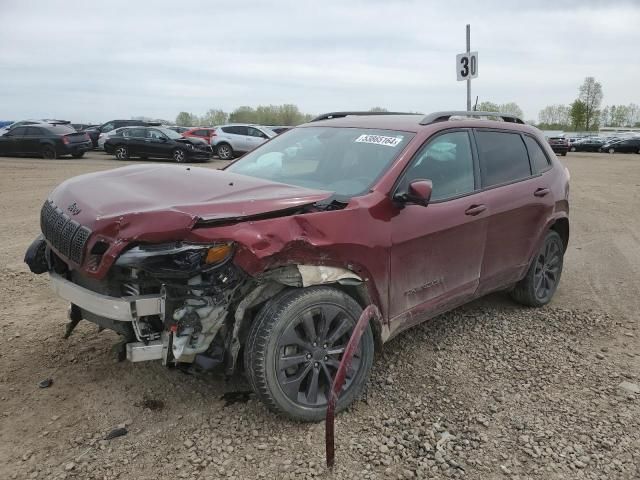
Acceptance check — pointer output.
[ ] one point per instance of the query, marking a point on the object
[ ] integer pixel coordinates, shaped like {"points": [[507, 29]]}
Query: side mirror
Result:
{"points": [[419, 193]]}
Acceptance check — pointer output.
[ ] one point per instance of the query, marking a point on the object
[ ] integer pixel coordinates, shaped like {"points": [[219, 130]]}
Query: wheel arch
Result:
{"points": [[561, 226], [273, 282]]}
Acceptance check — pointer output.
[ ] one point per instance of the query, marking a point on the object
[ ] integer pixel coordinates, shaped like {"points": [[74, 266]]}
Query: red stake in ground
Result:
{"points": [[370, 312]]}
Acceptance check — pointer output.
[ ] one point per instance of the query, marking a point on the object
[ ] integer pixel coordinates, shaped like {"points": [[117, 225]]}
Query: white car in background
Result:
{"points": [[230, 140], [106, 135]]}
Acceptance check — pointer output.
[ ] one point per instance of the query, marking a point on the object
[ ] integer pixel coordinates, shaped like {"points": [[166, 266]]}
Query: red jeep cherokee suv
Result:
{"points": [[268, 263]]}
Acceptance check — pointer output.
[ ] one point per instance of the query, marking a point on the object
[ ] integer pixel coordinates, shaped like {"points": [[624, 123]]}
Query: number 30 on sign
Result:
{"points": [[467, 65]]}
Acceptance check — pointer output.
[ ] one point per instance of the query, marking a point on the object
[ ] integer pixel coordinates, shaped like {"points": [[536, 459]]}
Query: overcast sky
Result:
{"points": [[99, 60]]}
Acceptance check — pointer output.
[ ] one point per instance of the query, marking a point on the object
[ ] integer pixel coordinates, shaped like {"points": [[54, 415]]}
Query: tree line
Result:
{"points": [[286, 114], [585, 112]]}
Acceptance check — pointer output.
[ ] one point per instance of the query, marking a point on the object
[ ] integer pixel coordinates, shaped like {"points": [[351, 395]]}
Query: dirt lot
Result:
{"points": [[491, 390]]}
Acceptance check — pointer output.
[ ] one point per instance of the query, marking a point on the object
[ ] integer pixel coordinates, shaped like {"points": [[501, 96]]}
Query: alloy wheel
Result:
{"points": [[121, 153], [309, 353], [547, 270], [48, 153], [179, 156], [611, 150], [224, 152]]}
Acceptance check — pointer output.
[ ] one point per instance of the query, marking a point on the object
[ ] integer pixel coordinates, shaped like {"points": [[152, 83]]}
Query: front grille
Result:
{"points": [[66, 235]]}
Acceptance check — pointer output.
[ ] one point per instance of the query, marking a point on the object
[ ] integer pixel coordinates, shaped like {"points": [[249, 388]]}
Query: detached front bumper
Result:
{"points": [[118, 309]]}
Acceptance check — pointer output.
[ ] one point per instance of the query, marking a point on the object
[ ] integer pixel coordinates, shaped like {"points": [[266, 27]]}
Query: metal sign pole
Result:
{"points": [[469, 77]]}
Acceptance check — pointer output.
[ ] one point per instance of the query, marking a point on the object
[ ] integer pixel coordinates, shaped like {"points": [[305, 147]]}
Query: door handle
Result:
{"points": [[541, 192], [474, 210]]}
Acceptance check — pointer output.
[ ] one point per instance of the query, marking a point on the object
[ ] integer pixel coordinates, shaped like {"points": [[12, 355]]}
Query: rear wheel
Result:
{"points": [[294, 349], [49, 153], [122, 153], [541, 281], [77, 155], [224, 151]]}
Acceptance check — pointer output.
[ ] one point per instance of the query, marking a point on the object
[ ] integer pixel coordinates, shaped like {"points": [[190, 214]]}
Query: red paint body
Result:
{"points": [[196, 132], [417, 261]]}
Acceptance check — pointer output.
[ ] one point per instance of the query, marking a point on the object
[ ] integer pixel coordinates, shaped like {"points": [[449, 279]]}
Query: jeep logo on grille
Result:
{"points": [[73, 209]]}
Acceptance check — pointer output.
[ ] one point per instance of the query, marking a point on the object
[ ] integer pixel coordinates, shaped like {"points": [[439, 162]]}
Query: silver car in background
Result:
{"points": [[238, 138], [107, 135]]}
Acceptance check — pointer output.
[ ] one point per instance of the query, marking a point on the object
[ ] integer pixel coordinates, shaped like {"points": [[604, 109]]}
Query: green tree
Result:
{"points": [[214, 117], [186, 119], [243, 115], [578, 115], [512, 108], [591, 96], [488, 107], [554, 117]]}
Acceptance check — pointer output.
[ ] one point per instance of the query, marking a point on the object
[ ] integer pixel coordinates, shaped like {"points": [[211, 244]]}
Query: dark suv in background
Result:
{"points": [[559, 145], [630, 145], [269, 263]]}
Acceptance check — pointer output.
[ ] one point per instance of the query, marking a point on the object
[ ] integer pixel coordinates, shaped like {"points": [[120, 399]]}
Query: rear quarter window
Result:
{"points": [[503, 157], [539, 160]]}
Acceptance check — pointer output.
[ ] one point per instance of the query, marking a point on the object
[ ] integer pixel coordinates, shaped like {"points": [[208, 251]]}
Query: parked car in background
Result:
{"points": [[81, 127], [559, 145], [238, 138], [94, 132], [157, 142], [587, 145], [630, 145], [46, 140], [279, 129], [178, 129], [105, 136], [205, 133], [268, 264]]}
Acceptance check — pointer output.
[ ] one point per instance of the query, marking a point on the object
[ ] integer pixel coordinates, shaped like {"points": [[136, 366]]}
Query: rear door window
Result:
{"points": [[34, 131], [136, 132], [19, 131], [503, 157], [539, 160]]}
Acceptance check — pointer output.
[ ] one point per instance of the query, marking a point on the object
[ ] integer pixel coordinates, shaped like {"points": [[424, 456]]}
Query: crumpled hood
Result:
{"points": [[159, 202]]}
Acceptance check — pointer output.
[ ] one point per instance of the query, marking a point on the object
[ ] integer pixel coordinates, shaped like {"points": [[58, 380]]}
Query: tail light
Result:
{"points": [[65, 140]]}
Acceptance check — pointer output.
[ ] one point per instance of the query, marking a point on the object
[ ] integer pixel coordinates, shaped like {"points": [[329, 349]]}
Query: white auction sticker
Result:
{"points": [[379, 140]]}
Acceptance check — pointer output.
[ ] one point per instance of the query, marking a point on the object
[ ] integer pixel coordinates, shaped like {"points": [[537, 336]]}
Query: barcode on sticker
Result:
{"points": [[379, 140]]}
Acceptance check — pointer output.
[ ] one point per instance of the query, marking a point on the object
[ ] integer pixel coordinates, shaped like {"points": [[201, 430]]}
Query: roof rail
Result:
{"points": [[330, 115], [444, 116]]}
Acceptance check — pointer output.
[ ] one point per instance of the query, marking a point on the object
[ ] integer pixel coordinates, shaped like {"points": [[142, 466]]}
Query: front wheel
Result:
{"points": [[122, 153], [77, 155], [179, 155], [294, 349], [541, 281], [224, 151]]}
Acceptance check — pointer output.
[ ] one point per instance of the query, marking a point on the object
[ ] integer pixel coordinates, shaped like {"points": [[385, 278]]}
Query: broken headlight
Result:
{"points": [[176, 259]]}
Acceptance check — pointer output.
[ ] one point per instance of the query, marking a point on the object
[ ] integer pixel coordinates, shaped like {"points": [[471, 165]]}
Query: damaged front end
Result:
{"points": [[182, 303]]}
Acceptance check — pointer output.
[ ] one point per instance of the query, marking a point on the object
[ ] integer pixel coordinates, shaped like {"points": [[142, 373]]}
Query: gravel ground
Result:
{"points": [[491, 390]]}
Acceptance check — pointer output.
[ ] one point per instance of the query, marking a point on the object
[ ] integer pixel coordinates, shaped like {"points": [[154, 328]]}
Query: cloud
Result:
{"points": [[94, 62]]}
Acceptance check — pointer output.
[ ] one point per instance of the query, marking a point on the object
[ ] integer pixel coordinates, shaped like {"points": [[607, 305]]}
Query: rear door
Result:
{"points": [[135, 140], [437, 250], [31, 140], [515, 174]]}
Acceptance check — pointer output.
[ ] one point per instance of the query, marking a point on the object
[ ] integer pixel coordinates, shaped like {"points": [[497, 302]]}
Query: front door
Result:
{"points": [[157, 144], [437, 250]]}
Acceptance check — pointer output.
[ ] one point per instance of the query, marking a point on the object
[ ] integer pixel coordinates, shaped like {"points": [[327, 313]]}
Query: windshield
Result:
{"points": [[346, 161], [169, 133]]}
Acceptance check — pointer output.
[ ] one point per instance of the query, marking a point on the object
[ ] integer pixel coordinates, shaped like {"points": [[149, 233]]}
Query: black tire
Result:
{"points": [[121, 152], [224, 151], [612, 150], [77, 155], [179, 155], [536, 289], [49, 153], [280, 320], [573, 149], [564, 154]]}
